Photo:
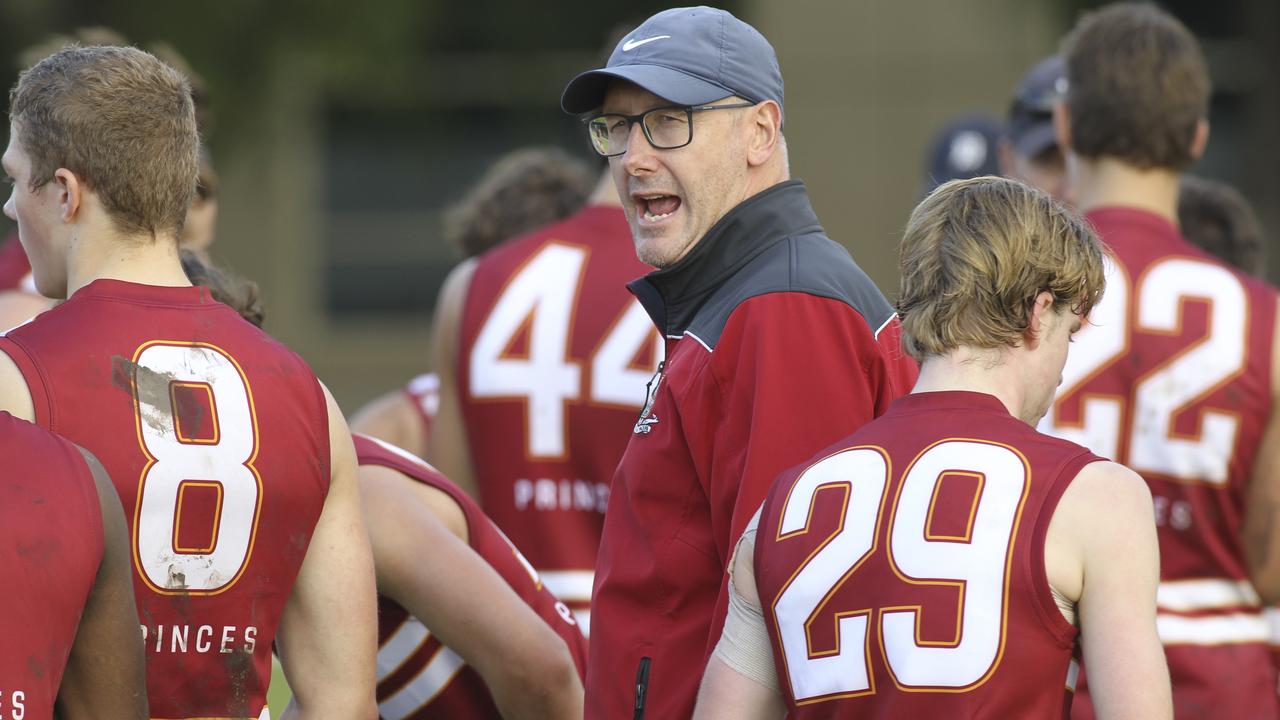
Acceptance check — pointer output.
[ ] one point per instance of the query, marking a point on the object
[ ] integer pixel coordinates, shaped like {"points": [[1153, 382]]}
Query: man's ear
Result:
{"points": [[1062, 125], [1201, 138], [1038, 318], [765, 132], [70, 194]]}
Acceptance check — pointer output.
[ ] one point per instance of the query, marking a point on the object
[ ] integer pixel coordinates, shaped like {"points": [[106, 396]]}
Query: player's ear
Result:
{"points": [[1062, 125], [1038, 318], [1201, 138], [70, 194]]}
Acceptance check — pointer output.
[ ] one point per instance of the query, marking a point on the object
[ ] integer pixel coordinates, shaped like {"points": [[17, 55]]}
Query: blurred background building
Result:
{"points": [[341, 130]]}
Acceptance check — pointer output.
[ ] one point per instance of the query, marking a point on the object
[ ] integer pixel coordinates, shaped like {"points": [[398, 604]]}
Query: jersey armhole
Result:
{"points": [[34, 378], [326, 456], [1042, 594]]}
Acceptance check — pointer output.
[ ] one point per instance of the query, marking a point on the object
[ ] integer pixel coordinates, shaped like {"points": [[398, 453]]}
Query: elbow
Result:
{"points": [[1268, 587], [545, 687]]}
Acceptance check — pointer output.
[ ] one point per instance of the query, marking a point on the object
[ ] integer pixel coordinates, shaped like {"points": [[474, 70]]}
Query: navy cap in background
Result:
{"points": [[1030, 124], [689, 56], [963, 148]]}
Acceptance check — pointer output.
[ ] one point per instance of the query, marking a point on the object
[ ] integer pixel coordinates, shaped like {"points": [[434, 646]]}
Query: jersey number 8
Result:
{"points": [[197, 427]]}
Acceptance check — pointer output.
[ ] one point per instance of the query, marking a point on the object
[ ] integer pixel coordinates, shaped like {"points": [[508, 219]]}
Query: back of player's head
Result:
{"points": [[119, 119], [1137, 85], [975, 255], [522, 191], [1218, 219]]}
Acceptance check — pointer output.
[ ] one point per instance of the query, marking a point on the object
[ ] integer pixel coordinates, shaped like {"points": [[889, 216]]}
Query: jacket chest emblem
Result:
{"points": [[644, 425]]}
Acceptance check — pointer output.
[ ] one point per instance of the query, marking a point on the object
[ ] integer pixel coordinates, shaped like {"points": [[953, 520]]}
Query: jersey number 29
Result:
{"points": [[976, 565]]}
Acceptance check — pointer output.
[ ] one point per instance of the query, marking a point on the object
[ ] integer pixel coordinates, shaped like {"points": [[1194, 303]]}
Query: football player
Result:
{"points": [[232, 462]]}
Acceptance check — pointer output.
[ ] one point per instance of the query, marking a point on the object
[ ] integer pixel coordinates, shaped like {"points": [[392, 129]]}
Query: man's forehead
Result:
{"points": [[626, 96]]}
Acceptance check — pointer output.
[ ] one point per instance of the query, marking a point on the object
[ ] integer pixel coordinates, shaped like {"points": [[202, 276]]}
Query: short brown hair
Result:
{"points": [[1216, 218], [1137, 84], [522, 191], [975, 255], [122, 121]]}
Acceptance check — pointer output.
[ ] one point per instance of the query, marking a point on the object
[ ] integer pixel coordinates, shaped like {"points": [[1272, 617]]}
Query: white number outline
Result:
{"points": [[593, 390], [152, 462], [962, 585], [861, 618], [870, 613], [1118, 443]]}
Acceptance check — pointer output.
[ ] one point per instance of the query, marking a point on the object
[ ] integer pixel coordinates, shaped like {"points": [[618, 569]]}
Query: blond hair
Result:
{"points": [[975, 255], [119, 119]]}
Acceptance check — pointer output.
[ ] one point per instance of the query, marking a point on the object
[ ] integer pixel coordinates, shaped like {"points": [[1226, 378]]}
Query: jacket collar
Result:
{"points": [[672, 296]]}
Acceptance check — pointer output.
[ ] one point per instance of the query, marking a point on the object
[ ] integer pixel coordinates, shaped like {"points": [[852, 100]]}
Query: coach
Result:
{"points": [[777, 343]]}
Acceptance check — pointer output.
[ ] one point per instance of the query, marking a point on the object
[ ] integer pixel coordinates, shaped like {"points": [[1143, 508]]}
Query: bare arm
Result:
{"points": [[106, 673], [1262, 509], [448, 449], [15, 396], [740, 682], [19, 306], [1107, 554], [473, 611], [392, 417], [328, 633]]}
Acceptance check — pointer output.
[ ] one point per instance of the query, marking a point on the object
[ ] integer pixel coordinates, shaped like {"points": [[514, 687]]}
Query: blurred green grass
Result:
{"points": [[279, 693]]}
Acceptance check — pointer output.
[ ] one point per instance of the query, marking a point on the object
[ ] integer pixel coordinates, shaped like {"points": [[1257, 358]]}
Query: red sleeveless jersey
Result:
{"points": [[553, 359], [1172, 378], [216, 437], [902, 573], [51, 530], [419, 678]]}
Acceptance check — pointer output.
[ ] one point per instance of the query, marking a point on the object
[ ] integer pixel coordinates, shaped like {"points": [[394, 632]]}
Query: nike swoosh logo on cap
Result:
{"points": [[630, 45]]}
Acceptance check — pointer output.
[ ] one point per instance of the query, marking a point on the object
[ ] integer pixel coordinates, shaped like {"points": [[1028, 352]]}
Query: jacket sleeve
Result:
{"points": [[794, 374]]}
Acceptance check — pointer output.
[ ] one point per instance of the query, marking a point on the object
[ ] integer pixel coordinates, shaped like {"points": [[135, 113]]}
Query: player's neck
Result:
{"points": [[138, 259], [987, 371], [1107, 182]]}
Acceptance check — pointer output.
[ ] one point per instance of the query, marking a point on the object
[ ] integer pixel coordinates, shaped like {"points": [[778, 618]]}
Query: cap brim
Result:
{"points": [[1035, 139], [586, 91]]}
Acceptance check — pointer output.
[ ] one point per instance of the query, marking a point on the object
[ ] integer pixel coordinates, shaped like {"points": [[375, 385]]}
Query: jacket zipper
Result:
{"points": [[642, 687]]}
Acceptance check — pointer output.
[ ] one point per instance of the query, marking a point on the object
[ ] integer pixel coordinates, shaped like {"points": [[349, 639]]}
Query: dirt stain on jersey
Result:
{"points": [[239, 666], [149, 388]]}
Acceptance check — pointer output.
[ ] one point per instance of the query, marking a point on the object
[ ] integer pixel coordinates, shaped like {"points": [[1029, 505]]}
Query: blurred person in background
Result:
{"points": [[1175, 376], [543, 358], [19, 299], [1218, 219], [964, 148], [776, 341], [232, 461], [1028, 148], [442, 654], [524, 190]]}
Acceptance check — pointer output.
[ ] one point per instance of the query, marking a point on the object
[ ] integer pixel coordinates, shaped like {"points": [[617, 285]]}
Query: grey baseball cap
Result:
{"points": [[689, 56]]}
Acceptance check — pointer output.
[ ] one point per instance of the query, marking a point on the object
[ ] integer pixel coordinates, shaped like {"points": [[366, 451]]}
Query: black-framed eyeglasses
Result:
{"points": [[666, 128]]}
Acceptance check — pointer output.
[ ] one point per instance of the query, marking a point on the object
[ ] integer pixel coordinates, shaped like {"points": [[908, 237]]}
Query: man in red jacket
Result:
{"points": [[776, 342]]}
